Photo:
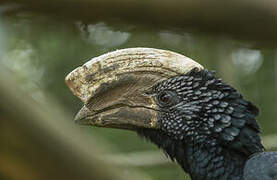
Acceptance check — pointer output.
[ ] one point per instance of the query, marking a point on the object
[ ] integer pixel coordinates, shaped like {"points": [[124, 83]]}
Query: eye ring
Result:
{"points": [[167, 98]]}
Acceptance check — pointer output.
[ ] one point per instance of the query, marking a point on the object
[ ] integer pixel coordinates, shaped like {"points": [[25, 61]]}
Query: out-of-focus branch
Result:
{"points": [[270, 142], [138, 159], [156, 158], [38, 140], [249, 19]]}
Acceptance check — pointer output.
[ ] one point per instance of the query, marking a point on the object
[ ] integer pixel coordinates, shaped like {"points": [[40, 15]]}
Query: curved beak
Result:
{"points": [[114, 86]]}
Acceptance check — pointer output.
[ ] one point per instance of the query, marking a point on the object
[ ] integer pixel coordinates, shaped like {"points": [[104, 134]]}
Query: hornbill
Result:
{"points": [[196, 118]]}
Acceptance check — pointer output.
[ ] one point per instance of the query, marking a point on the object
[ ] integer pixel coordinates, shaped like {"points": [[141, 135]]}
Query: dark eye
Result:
{"points": [[167, 98]]}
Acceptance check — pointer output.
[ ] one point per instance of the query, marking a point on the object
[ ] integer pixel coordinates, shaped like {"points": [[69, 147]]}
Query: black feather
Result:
{"points": [[209, 128]]}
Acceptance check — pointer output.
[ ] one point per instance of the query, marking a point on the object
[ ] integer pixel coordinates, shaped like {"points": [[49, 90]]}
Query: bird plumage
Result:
{"points": [[209, 128]]}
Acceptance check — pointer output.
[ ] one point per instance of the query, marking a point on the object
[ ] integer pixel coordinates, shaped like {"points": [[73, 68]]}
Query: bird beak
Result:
{"points": [[122, 117], [114, 86]]}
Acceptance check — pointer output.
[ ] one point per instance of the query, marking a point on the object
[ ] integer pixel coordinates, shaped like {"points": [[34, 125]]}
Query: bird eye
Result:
{"points": [[166, 98]]}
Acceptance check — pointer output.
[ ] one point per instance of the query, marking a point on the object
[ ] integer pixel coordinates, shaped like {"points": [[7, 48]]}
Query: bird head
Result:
{"points": [[157, 89], [118, 88]]}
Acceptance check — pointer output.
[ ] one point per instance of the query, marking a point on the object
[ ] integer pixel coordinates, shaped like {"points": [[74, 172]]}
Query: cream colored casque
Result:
{"points": [[113, 86]]}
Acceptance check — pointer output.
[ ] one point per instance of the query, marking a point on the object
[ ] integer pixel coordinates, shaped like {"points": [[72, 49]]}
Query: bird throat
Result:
{"points": [[207, 160]]}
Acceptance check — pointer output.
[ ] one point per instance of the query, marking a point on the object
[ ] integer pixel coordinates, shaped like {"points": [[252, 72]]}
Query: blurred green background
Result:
{"points": [[39, 50]]}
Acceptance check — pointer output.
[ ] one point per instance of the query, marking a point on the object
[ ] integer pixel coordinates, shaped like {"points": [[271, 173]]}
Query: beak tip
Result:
{"points": [[76, 120], [82, 115]]}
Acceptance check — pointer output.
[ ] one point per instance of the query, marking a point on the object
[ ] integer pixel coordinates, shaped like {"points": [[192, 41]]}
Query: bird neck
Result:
{"points": [[202, 160], [211, 161]]}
